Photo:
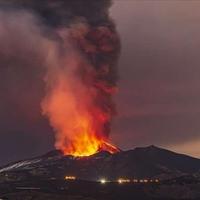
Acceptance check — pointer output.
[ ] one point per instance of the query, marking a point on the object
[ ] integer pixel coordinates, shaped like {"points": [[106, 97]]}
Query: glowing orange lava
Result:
{"points": [[87, 142], [87, 146], [79, 129]]}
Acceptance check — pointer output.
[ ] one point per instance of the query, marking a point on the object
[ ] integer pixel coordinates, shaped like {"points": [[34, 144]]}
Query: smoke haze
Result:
{"points": [[75, 47]]}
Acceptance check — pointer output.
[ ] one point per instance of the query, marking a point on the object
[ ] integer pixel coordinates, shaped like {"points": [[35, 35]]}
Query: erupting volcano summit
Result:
{"points": [[82, 80], [81, 53], [81, 73]]}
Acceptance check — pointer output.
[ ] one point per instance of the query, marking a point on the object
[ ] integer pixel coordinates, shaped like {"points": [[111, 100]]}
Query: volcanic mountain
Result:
{"points": [[146, 162]]}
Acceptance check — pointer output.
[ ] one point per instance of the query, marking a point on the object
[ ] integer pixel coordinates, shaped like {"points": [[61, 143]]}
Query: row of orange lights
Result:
{"points": [[70, 178], [120, 180]]}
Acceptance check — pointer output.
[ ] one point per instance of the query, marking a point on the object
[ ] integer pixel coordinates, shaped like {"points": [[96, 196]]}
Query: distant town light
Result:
{"points": [[70, 178], [103, 181], [122, 180]]}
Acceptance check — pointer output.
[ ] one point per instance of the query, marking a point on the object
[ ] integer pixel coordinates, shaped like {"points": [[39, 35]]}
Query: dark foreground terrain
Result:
{"points": [[43, 177], [85, 190], [140, 163]]}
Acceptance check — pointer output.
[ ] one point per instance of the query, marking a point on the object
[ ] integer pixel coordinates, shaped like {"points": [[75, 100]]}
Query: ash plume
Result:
{"points": [[80, 48]]}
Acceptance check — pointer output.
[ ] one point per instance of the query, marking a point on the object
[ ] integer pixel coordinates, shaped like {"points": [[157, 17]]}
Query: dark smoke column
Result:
{"points": [[81, 73]]}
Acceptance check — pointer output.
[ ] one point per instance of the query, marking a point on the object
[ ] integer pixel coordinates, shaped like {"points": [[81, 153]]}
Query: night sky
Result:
{"points": [[159, 88]]}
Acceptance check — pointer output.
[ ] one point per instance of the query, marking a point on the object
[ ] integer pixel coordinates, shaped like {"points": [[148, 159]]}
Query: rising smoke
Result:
{"points": [[80, 48]]}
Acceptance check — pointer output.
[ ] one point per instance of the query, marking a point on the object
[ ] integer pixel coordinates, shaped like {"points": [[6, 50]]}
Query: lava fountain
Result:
{"points": [[80, 88], [79, 46], [81, 77]]}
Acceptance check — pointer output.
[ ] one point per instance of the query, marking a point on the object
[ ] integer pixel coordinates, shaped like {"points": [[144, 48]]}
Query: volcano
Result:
{"points": [[145, 162]]}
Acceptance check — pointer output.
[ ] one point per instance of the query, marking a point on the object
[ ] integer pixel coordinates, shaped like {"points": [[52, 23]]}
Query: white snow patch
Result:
{"points": [[20, 164]]}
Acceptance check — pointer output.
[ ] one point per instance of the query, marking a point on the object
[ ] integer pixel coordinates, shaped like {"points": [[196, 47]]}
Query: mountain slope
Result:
{"points": [[148, 162]]}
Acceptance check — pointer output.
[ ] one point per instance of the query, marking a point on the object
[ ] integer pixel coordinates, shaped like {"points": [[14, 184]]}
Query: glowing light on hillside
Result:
{"points": [[70, 178], [103, 181], [122, 180]]}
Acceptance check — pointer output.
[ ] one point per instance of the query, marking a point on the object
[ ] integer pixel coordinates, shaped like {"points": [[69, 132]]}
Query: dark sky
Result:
{"points": [[159, 99], [159, 96]]}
